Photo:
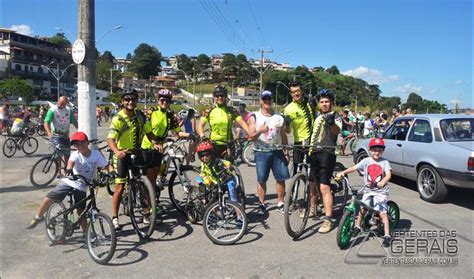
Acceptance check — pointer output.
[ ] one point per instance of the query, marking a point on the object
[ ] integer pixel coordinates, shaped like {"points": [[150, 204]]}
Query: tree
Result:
{"points": [[129, 56], [203, 62], [185, 64], [16, 87], [102, 72], [146, 61], [333, 70], [60, 39], [415, 102], [107, 57]]}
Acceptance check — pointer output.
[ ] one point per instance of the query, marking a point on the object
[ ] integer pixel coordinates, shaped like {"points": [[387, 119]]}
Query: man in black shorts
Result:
{"points": [[323, 158]]}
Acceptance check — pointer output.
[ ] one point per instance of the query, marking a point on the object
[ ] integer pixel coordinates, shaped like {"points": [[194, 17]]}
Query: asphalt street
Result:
{"points": [[180, 249]]}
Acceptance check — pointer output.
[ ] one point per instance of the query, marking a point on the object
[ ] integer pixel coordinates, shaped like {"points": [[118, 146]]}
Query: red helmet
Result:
{"points": [[376, 142], [205, 146]]}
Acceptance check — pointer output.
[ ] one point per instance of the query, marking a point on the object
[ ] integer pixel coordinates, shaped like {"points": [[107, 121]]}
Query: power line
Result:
{"points": [[257, 23], [242, 29]]}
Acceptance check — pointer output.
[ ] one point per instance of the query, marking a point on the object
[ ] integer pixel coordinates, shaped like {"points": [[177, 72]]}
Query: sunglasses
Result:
{"points": [[164, 100], [204, 154], [130, 99]]}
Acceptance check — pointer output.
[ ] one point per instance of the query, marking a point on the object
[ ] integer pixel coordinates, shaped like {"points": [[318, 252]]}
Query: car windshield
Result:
{"points": [[457, 129]]}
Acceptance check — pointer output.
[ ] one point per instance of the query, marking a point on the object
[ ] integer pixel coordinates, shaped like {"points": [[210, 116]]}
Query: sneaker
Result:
{"points": [[146, 220], [281, 208], [356, 231], [262, 210], [386, 240], [115, 222], [34, 222], [312, 213], [238, 224], [326, 226]]}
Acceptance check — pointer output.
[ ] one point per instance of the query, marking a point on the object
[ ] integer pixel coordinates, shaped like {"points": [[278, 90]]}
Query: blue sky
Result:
{"points": [[422, 46]]}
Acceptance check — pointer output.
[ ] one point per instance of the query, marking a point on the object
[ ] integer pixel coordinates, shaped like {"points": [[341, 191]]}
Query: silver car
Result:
{"points": [[434, 150]]}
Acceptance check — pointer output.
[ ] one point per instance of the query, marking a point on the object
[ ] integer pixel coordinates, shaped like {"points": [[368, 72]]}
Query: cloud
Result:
{"points": [[459, 81], [372, 76], [22, 29], [408, 88], [455, 101]]}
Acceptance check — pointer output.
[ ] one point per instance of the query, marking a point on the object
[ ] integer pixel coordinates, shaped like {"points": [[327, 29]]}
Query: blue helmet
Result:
{"points": [[325, 93]]}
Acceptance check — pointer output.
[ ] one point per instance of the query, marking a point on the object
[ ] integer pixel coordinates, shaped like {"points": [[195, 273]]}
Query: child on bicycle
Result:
{"points": [[377, 172], [83, 161], [214, 168]]}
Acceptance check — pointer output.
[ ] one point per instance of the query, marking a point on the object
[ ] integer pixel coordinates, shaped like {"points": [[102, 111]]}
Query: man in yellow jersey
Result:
{"points": [[126, 133], [220, 118]]}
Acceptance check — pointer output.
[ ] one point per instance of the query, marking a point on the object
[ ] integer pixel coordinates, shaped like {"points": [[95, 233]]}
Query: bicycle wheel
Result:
{"points": [[100, 239], [44, 172], [9, 147], [124, 201], [248, 155], [178, 190], [339, 191], [194, 205], [297, 203], [393, 213], [225, 225], [344, 231], [142, 206], [56, 222], [240, 185], [29, 145]]}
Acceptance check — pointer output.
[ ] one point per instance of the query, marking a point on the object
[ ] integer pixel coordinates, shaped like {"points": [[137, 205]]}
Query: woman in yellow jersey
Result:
{"points": [[220, 118]]}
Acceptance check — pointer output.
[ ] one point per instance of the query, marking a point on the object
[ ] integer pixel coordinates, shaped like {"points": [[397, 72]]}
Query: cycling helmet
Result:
{"points": [[376, 142], [165, 93], [325, 93], [132, 92], [205, 147], [219, 90]]}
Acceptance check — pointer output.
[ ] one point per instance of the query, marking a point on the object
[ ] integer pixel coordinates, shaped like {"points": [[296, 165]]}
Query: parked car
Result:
{"points": [[435, 150]]}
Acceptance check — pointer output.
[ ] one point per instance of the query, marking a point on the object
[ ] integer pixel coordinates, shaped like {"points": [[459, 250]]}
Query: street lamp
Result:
{"points": [[59, 75], [107, 32]]}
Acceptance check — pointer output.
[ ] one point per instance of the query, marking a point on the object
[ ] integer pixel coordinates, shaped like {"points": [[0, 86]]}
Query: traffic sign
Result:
{"points": [[78, 51]]}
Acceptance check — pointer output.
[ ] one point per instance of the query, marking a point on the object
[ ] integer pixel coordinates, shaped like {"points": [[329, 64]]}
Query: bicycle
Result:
{"points": [[22, 141], [100, 236], [224, 221], [101, 175], [243, 149], [46, 169], [139, 197], [297, 198], [371, 217]]}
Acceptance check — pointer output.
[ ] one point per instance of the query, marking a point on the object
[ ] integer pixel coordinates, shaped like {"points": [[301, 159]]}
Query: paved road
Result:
{"points": [[179, 249]]}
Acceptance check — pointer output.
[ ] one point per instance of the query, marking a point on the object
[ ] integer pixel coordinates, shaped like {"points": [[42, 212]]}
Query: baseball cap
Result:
{"points": [[265, 93], [78, 136]]}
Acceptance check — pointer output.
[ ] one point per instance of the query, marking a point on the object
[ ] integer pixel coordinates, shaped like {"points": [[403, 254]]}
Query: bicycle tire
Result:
{"points": [[339, 191], [248, 155], [393, 213], [9, 147], [297, 205], [240, 185], [29, 145], [344, 230], [56, 224], [215, 220], [47, 167], [177, 192], [138, 203], [195, 208], [101, 237]]}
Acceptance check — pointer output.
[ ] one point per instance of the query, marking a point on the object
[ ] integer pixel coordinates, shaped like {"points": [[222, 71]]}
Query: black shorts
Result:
{"points": [[62, 190], [322, 167], [150, 158], [219, 150], [298, 154]]}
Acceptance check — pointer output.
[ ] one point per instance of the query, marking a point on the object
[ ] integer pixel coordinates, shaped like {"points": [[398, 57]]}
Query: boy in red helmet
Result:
{"points": [[83, 161], [214, 168], [377, 172]]}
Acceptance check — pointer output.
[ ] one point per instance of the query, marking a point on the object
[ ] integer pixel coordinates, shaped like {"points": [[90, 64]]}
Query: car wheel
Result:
{"points": [[359, 157], [430, 184]]}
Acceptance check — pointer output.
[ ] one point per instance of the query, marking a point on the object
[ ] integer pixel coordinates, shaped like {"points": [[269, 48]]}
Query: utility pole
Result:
{"points": [[111, 81], [86, 81], [262, 69]]}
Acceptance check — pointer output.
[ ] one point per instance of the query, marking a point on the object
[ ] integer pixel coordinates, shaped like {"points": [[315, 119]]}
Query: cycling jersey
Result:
{"points": [[160, 123], [302, 118], [60, 118], [321, 133], [128, 132], [214, 171], [220, 119]]}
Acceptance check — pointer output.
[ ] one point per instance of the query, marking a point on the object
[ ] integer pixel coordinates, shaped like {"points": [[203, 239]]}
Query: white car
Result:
{"points": [[435, 150]]}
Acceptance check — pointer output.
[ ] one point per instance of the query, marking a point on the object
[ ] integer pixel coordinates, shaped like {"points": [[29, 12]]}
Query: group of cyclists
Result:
{"points": [[314, 125]]}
